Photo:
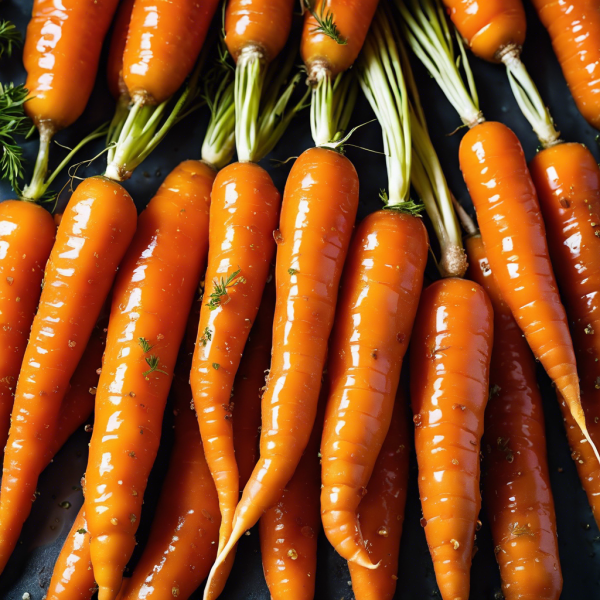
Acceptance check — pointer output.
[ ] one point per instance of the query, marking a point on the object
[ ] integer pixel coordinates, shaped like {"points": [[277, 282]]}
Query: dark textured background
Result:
{"points": [[30, 568]]}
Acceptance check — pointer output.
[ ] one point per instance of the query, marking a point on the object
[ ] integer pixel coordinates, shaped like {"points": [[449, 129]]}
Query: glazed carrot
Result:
{"points": [[311, 252], [489, 27], [381, 511], [249, 384], [574, 27], [450, 358], [26, 236], [96, 229], [151, 300], [567, 179], [289, 530], [114, 66], [516, 481], [61, 54]]}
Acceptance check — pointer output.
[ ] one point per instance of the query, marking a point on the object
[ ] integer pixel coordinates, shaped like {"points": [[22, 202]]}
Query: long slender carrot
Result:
{"points": [[574, 27], [114, 65], [450, 358], [26, 236], [94, 233], [567, 179], [312, 246], [289, 530], [61, 54], [516, 481], [151, 301], [381, 511]]}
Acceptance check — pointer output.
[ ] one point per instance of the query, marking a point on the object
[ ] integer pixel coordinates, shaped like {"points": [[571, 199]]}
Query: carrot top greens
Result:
{"points": [[9, 37], [325, 23]]}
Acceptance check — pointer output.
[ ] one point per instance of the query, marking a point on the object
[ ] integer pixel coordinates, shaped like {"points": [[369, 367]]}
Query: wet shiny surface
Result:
{"points": [[574, 26], [118, 39], [517, 490], [450, 357], [151, 299], [374, 320], [61, 54]]}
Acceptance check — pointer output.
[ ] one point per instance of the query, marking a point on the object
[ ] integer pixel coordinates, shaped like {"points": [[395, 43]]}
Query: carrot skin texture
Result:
{"points": [[353, 19], [263, 24], [289, 530], [381, 511], [27, 234], [96, 228], [516, 481], [489, 27], [151, 300], [114, 65], [61, 54], [508, 211], [567, 178], [450, 358], [574, 28], [163, 43], [384, 277]]}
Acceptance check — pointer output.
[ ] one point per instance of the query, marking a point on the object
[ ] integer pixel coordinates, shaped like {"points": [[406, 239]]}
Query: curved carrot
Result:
{"points": [[289, 530], [114, 66], [574, 27], [94, 233], [489, 27], [383, 277], [26, 236], [567, 179], [151, 301], [163, 43], [450, 358], [516, 483], [381, 511], [312, 246], [249, 385]]}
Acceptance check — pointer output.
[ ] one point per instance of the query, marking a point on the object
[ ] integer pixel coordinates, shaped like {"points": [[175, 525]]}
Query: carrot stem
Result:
{"points": [[117, 123], [37, 188]]}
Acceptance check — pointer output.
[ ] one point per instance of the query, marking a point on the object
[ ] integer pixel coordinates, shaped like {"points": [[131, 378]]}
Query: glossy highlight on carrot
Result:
{"points": [[383, 277], [517, 489], [450, 358], [96, 228], [151, 299], [114, 65]]}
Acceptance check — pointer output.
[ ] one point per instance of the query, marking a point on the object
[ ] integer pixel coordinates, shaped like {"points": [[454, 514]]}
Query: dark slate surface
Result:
{"points": [[31, 566]]}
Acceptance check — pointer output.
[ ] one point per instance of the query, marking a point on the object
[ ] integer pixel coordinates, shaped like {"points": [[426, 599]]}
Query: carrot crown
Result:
{"points": [[426, 29]]}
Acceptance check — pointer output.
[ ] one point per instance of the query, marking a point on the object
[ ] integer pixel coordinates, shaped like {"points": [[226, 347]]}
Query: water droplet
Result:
{"points": [[418, 420], [383, 532], [277, 236], [292, 554]]}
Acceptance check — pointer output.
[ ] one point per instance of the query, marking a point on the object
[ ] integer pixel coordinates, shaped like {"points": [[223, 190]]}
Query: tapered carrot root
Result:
{"points": [[312, 246], [450, 357], [567, 179], [516, 482], [114, 66], [489, 27], [151, 300], [381, 511], [574, 27], [289, 530], [384, 276], [26, 236], [94, 233]]}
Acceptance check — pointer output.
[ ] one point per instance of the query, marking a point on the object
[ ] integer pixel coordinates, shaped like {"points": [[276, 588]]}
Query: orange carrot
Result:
{"points": [[381, 511], [151, 300], [312, 246], [114, 66], [450, 358], [96, 229], [517, 484], [289, 530]]}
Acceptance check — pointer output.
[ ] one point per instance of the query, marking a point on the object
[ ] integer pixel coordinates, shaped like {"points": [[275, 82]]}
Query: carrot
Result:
{"points": [[96, 229], [114, 65], [516, 483], [567, 179], [312, 246], [574, 27], [495, 171], [289, 530], [151, 301], [26, 236], [61, 54], [450, 358], [381, 511]]}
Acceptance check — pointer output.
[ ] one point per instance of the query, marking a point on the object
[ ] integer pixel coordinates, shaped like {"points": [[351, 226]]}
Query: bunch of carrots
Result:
{"points": [[274, 326]]}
